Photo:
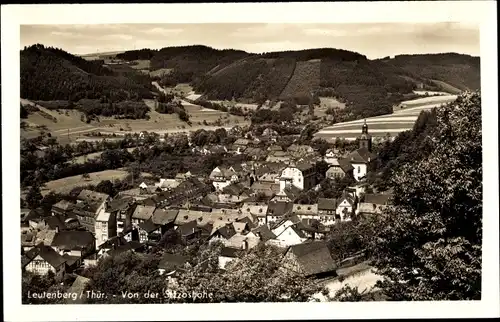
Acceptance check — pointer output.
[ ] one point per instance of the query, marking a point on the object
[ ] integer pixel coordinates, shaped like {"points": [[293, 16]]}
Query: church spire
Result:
{"points": [[365, 128]]}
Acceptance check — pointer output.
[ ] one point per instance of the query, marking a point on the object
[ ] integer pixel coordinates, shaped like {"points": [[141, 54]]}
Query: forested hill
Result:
{"points": [[458, 70], [52, 74]]}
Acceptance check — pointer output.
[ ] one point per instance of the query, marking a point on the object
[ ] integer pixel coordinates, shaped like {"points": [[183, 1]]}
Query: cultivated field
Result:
{"points": [[91, 156], [141, 64], [402, 119], [69, 128], [65, 185], [160, 72]]}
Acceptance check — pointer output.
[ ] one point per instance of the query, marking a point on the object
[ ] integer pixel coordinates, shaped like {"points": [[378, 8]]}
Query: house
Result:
{"points": [[167, 184], [172, 263], [89, 205], [276, 210], [285, 222], [256, 209], [148, 231], [346, 205], [141, 214], [288, 194], [302, 176], [263, 233], [129, 246], [292, 235], [271, 177], [105, 224], [183, 176], [122, 209], [374, 204], [331, 156], [223, 233], [306, 211], [189, 232], [302, 149], [234, 193], [222, 177], [240, 144], [165, 218], [378, 199], [326, 211], [341, 169], [76, 243], [62, 207], [278, 156], [42, 259], [111, 243], [78, 288], [228, 255], [270, 133], [310, 259], [265, 188]]}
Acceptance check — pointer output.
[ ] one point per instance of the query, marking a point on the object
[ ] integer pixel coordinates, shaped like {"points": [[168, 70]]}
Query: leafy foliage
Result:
{"points": [[428, 247]]}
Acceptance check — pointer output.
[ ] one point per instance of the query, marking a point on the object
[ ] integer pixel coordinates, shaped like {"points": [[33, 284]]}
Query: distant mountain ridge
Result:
{"points": [[368, 87]]}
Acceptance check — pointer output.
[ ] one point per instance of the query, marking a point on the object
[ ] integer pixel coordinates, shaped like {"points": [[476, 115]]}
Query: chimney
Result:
{"points": [[57, 229]]}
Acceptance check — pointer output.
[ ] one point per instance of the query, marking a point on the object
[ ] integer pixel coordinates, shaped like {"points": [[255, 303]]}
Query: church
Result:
{"points": [[362, 158]]}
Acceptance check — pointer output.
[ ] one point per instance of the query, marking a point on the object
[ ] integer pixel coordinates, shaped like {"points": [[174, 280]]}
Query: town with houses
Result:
{"points": [[240, 205]]}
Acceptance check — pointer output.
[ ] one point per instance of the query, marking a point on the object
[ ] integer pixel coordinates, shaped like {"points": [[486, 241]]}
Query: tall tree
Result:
{"points": [[428, 246]]}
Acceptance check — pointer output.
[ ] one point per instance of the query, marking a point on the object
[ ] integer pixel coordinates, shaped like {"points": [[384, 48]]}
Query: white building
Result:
{"points": [[302, 176]]}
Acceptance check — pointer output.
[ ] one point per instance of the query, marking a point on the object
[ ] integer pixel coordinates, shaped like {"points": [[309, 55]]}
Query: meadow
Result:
{"points": [[402, 119]]}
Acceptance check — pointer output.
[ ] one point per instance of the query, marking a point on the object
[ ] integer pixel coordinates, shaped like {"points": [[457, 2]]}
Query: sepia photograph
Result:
{"points": [[187, 161]]}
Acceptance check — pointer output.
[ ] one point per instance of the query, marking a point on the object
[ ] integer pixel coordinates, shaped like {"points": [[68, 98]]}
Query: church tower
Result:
{"points": [[365, 140]]}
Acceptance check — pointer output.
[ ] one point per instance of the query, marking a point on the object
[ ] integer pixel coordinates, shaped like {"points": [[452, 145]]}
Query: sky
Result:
{"points": [[375, 40]]}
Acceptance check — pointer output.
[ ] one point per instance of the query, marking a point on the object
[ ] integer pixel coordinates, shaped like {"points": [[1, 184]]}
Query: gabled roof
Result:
{"points": [[344, 164], [163, 217], [303, 166], [264, 233], [188, 228], [379, 199], [299, 232], [226, 231], [120, 204], [73, 240], [64, 205], [370, 208], [313, 258], [257, 209], [148, 226], [327, 204], [167, 183], [361, 155], [292, 218], [236, 189], [305, 209], [239, 226], [46, 252], [230, 252], [278, 208], [143, 212], [92, 196], [346, 196]]}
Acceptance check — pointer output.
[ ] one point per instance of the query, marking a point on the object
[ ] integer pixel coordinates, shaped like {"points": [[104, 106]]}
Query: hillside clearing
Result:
{"points": [[65, 185], [304, 80]]}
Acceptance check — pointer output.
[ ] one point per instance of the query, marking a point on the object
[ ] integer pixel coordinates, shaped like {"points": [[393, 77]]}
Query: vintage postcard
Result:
{"points": [[215, 153]]}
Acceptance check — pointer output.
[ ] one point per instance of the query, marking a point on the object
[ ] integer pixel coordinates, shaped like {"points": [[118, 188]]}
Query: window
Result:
{"points": [[359, 169]]}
